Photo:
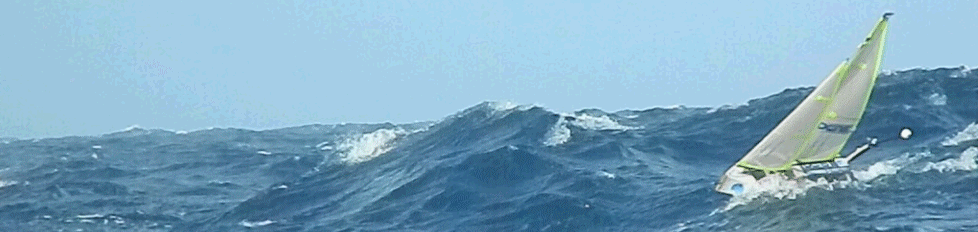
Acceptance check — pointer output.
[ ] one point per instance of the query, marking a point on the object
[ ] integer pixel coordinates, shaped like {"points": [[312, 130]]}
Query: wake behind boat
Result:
{"points": [[806, 144]]}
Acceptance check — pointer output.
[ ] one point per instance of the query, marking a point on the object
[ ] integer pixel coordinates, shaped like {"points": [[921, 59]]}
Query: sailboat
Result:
{"points": [[807, 143]]}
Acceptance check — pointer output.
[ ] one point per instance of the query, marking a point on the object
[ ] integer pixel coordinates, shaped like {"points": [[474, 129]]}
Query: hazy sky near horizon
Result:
{"points": [[93, 67]]}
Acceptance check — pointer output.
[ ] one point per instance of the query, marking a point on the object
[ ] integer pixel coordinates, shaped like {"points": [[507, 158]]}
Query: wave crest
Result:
{"points": [[969, 133], [560, 133], [965, 162], [368, 146]]}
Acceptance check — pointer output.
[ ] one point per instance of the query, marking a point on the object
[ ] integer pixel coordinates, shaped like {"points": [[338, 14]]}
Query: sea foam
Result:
{"points": [[969, 133], [559, 133], [937, 99], [780, 187], [602, 122], [964, 162], [250, 224], [368, 146]]}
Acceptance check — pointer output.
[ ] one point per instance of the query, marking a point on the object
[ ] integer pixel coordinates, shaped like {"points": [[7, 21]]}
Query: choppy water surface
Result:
{"points": [[505, 167]]}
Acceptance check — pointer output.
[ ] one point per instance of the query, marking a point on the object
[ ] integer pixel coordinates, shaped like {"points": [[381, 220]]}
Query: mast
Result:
{"points": [[818, 128]]}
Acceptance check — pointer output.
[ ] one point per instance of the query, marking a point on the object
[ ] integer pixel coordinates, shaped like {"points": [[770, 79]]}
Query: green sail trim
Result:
{"points": [[882, 29], [838, 102]]}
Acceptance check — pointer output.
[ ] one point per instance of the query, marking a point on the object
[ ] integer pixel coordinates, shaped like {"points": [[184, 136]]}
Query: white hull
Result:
{"points": [[738, 181], [808, 141]]}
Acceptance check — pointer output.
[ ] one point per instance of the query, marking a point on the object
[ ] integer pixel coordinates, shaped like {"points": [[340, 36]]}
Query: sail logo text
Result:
{"points": [[834, 128]]}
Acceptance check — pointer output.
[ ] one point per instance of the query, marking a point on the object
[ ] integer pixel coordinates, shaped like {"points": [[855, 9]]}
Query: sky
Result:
{"points": [[95, 67]]}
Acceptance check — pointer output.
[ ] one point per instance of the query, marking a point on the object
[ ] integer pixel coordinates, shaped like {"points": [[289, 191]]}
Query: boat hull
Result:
{"points": [[738, 181]]}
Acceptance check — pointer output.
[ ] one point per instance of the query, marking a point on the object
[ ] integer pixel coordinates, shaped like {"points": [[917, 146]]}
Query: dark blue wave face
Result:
{"points": [[495, 167]]}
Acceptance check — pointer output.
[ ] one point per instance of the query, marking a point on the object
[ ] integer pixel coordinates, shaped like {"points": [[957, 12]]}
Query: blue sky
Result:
{"points": [[93, 67]]}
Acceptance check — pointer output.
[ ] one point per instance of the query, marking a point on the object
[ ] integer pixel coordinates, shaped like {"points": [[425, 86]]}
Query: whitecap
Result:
{"points": [[249, 224], [264, 153], [368, 146], [602, 122], [502, 106], [89, 216], [776, 186], [965, 162], [781, 187], [558, 134], [937, 99], [323, 146], [963, 71], [969, 133], [133, 127], [724, 107], [7, 183], [419, 130], [888, 167], [876, 170]]}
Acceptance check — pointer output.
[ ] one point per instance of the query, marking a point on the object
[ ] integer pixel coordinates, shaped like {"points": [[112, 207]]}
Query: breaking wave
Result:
{"points": [[500, 166], [368, 146]]}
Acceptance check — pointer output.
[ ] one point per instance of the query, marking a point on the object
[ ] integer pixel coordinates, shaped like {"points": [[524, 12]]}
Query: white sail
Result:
{"points": [[846, 110], [821, 124], [818, 128], [778, 148]]}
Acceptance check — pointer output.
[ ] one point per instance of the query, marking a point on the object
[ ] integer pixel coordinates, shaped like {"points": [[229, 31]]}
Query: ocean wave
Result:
{"points": [[602, 122], [559, 133], [253, 224], [937, 99], [504, 166], [968, 134], [368, 146], [966, 161], [779, 187]]}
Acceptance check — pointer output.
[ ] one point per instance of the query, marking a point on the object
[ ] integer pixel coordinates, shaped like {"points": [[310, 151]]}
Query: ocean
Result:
{"points": [[501, 166]]}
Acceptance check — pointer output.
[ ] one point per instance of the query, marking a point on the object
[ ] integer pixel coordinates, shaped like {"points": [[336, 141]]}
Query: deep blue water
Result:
{"points": [[503, 167]]}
